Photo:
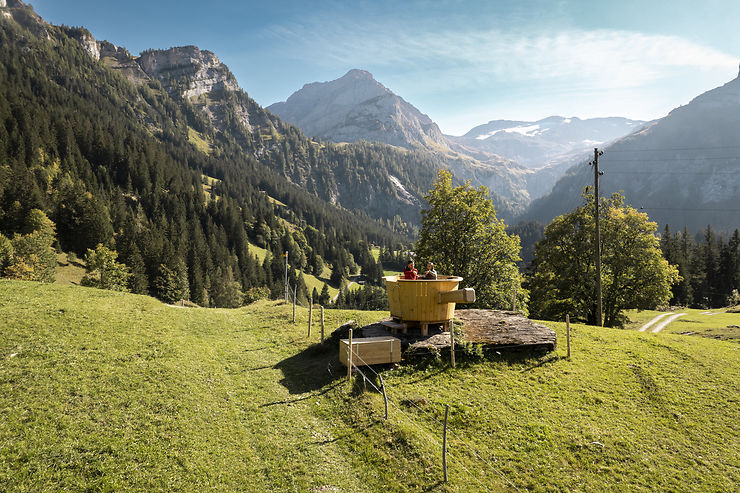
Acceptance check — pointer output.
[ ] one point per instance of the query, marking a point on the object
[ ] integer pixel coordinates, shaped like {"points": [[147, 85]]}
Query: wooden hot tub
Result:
{"points": [[425, 301]]}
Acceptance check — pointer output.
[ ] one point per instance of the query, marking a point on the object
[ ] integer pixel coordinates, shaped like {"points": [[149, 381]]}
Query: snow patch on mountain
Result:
{"points": [[404, 194]]}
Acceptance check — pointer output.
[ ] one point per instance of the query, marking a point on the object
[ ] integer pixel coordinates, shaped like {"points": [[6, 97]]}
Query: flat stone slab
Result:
{"points": [[496, 328], [492, 328]]}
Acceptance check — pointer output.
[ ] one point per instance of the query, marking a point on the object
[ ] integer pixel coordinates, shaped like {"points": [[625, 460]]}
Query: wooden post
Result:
{"points": [[349, 358], [513, 300], [310, 314], [597, 242], [322, 324], [452, 343], [444, 443], [294, 293], [385, 397], [567, 333]]}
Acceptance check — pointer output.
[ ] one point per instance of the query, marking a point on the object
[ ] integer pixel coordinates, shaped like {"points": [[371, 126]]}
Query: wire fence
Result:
{"points": [[393, 395]]}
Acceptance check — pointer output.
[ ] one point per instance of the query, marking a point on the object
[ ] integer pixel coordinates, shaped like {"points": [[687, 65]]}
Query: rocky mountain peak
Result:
{"points": [[12, 4], [357, 73], [357, 107], [187, 71]]}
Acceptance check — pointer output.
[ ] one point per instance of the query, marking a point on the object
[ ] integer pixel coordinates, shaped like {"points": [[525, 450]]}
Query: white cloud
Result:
{"points": [[462, 77], [603, 58]]}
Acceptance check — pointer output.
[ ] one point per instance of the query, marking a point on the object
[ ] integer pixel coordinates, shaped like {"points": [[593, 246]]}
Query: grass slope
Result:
{"points": [[110, 391], [69, 270], [717, 323]]}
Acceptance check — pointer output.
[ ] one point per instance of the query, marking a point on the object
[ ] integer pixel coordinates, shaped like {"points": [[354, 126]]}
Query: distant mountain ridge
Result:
{"points": [[549, 141], [501, 154], [683, 169], [357, 107]]}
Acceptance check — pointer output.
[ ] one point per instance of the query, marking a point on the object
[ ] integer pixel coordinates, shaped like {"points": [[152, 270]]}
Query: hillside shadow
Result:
{"points": [[313, 368]]}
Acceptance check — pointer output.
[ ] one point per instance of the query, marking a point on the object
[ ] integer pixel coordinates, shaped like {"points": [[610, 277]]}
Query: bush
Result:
{"points": [[254, 294]]}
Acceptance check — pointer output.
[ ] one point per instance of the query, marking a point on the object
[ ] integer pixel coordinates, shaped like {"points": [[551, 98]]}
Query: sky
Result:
{"points": [[463, 63]]}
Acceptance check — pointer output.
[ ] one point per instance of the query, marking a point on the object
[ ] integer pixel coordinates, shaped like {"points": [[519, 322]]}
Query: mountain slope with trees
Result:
{"points": [[110, 160], [681, 169]]}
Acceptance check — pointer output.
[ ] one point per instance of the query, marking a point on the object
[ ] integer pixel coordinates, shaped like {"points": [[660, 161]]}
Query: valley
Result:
{"points": [[172, 245]]}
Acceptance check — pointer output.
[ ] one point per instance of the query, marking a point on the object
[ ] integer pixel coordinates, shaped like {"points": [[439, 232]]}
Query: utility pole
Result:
{"points": [[597, 246]]}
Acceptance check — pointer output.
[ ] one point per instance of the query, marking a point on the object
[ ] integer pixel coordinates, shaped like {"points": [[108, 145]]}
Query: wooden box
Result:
{"points": [[371, 350]]}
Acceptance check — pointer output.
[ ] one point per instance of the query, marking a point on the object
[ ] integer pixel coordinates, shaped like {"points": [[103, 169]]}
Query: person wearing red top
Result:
{"points": [[409, 272]]}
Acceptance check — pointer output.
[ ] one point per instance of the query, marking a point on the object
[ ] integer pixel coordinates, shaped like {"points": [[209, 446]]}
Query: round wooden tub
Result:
{"points": [[419, 300]]}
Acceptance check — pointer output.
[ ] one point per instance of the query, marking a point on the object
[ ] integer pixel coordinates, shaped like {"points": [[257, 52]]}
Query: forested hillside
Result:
{"points": [[112, 162]]}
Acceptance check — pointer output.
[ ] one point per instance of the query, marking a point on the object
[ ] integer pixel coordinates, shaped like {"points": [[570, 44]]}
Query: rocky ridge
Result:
{"points": [[357, 107], [187, 71], [547, 142]]}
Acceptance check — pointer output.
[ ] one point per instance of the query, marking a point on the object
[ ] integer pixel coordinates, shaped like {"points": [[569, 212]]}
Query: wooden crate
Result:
{"points": [[371, 350]]}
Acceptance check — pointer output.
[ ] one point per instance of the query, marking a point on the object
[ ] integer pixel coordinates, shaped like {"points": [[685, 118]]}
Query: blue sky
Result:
{"points": [[462, 63]]}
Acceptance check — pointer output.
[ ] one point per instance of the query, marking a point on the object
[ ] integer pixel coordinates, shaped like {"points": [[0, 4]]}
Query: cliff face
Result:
{"points": [[357, 107], [198, 75], [187, 71], [120, 59]]}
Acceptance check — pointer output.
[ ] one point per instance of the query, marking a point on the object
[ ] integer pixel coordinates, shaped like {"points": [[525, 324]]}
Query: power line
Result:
{"points": [[674, 149], [661, 172], [697, 158], [686, 210]]}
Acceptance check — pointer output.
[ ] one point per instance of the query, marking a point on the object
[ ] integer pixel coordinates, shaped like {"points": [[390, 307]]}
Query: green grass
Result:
{"points": [[69, 271], [311, 280], [110, 391], [259, 251], [318, 283], [208, 183], [375, 251], [716, 323], [199, 141]]}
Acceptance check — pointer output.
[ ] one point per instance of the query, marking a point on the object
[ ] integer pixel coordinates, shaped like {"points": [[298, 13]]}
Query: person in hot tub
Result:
{"points": [[430, 273], [409, 272]]}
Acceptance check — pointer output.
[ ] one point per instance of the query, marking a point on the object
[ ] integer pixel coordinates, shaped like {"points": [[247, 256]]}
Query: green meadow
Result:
{"points": [[104, 391]]}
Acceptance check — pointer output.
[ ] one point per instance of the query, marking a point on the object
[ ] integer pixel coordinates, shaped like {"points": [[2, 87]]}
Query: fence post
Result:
{"points": [[322, 324], [513, 300], [567, 332], [385, 397], [310, 314], [452, 343], [349, 359], [294, 293], [444, 443]]}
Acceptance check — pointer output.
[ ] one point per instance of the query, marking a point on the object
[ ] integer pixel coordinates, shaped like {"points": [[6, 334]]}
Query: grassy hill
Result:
{"points": [[722, 323], [109, 391]]}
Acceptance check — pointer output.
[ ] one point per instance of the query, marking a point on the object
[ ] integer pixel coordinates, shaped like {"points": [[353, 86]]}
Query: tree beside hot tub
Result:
{"points": [[461, 234]]}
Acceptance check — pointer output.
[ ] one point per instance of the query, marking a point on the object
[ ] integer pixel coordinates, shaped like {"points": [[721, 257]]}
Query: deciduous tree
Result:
{"points": [[634, 272], [104, 271], [461, 234]]}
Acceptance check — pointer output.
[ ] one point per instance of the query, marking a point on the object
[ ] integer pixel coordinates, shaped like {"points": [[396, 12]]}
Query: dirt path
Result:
{"points": [[345, 289], [652, 321], [665, 322]]}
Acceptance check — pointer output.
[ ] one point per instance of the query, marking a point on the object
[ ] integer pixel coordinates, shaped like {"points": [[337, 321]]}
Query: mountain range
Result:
{"points": [[517, 160], [395, 149], [683, 169], [546, 142]]}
